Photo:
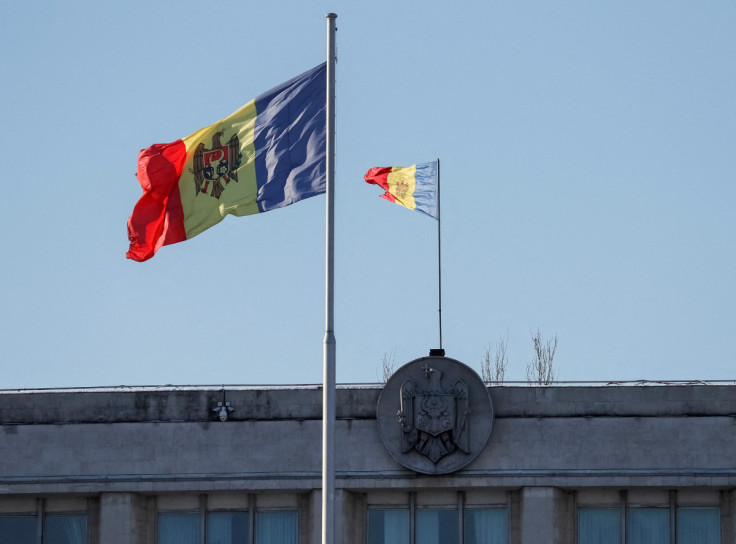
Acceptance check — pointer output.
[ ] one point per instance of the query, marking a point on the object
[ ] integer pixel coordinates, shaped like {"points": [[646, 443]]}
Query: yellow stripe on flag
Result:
{"points": [[201, 210], [402, 183]]}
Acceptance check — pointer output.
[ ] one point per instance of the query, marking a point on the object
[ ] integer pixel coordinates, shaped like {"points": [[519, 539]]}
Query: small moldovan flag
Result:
{"points": [[414, 187], [267, 155]]}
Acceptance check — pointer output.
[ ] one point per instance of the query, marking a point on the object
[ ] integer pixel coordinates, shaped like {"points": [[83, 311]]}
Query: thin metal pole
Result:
{"points": [[329, 385], [40, 515], [439, 252], [203, 517], [412, 517], [461, 516]]}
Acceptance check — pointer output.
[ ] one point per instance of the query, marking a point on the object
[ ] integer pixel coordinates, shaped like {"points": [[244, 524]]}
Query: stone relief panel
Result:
{"points": [[435, 415]]}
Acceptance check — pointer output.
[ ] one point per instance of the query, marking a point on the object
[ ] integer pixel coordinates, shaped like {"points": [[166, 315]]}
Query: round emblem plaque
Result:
{"points": [[434, 415]]}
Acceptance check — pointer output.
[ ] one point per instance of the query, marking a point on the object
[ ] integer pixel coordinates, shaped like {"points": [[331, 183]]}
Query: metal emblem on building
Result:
{"points": [[433, 418], [435, 415]]}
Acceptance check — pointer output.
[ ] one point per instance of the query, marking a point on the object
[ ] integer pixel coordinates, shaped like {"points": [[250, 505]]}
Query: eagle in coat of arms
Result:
{"points": [[216, 165], [434, 419]]}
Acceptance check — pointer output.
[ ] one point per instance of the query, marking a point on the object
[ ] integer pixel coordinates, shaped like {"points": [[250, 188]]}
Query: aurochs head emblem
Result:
{"points": [[212, 167], [435, 415]]}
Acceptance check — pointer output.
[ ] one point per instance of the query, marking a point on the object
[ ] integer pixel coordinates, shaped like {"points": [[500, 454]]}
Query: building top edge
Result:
{"points": [[351, 386]]}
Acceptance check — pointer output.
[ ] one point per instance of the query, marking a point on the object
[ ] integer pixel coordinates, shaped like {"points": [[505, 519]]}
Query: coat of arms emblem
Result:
{"points": [[212, 167], [402, 189], [444, 413], [434, 418]]}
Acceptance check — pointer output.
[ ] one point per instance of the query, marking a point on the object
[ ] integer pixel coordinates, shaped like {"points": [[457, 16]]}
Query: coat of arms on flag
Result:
{"points": [[215, 165]]}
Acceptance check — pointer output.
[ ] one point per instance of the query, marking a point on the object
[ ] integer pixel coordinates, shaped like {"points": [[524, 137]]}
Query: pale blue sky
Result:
{"points": [[587, 180]]}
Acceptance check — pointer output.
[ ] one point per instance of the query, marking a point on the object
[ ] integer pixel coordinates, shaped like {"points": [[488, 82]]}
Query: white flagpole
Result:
{"points": [[439, 254], [329, 385]]}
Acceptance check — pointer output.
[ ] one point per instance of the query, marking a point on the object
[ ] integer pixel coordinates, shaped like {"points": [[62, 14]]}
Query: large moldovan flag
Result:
{"points": [[414, 187], [268, 154]]}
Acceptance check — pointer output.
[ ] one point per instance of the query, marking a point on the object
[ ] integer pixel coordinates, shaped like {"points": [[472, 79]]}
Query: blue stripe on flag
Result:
{"points": [[289, 140]]}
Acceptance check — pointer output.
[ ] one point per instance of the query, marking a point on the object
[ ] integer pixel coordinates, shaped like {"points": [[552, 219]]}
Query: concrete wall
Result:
{"points": [[122, 449], [171, 440], [126, 518]]}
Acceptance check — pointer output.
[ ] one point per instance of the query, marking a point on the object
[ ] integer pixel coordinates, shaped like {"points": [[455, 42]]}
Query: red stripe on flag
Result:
{"points": [[379, 176], [158, 217]]}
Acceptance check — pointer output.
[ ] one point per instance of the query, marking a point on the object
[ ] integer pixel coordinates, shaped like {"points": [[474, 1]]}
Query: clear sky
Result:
{"points": [[588, 169]]}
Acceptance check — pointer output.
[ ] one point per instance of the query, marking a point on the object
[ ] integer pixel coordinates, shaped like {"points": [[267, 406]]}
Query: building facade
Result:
{"points": [[207, 465]]}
